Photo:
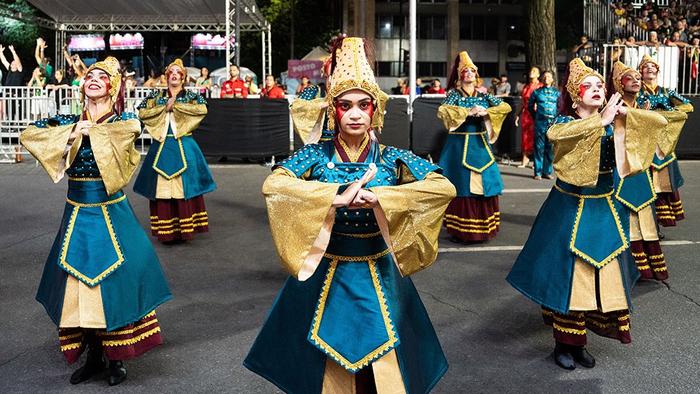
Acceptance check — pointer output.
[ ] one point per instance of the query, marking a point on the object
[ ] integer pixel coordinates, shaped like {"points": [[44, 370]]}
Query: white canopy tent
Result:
{"points": [[229, 16]]}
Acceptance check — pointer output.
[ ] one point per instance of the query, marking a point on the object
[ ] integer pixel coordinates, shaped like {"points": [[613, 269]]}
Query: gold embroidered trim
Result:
{"points": [[488, 150], [583, 195], [71, 346], [97, 204], [568, 330], [495, 216], [196, 215], [66, 243], [180, 229], [182, 155], [353, 155], [629, 204], [131, 341], [366, 235], [70, 336], [84, 179], [665, 163], [388, 324], [620, 231], [357, 258]]}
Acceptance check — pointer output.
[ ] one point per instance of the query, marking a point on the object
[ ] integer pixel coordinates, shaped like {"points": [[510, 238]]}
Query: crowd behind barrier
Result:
{"points": [[263, 128]]}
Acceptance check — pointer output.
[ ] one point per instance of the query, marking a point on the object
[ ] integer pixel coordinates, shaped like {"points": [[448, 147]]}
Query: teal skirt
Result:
{"points": [[100, 242]]}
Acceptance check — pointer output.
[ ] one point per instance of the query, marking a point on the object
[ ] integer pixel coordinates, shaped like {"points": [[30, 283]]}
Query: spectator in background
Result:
{"points": [[271, 90], [204, 81], [58, 81], [492, 88], [653, 40], [503, 87], [435, 87], [305, 83], [631, 42], [398, 89], [79, 69], [234, 87], [675, 40], [680, 28], [580, 49], [162, 81], [14, 68], [42, 61], [38, 79], [252, 86], [419, 86]]}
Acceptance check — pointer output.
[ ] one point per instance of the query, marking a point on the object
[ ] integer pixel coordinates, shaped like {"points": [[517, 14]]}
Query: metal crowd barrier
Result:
{"points": [[21, 105]]}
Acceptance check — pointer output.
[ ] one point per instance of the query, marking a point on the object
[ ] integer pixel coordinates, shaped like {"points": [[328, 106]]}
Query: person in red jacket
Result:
{"points": [[271, 90], [234, 87]]}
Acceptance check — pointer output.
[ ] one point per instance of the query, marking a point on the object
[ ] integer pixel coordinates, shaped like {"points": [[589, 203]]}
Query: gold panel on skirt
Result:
{"points": [[82, 306], [643, 225], [583, 288]]}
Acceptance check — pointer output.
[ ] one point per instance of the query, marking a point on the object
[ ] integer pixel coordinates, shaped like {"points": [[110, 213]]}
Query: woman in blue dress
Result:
{"points": [[351, 220], [543, 104], [576, 262], [102, 280], [473, 121], [175, 175], [665, 170]]}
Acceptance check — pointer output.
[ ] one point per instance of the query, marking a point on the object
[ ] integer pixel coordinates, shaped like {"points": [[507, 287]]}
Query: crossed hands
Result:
{"points": [[478, 111], [614, 107], [82, 127], [355, 197]]}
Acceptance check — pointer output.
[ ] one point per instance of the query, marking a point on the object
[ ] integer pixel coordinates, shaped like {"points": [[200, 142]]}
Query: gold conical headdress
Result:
{"points": [[176, 63], [111, 66], [578, 71], [352, 71], [648, 59], [465, 61], [619, 71]]}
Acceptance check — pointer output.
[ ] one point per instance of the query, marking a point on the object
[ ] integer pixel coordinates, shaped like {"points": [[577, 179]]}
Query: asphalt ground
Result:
{"points": [[225, 281]]}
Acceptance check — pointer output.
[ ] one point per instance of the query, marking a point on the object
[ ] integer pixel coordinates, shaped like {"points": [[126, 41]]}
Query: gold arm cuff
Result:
{"points": [[48, 146], [577, 150], [642, 130], [452, 116], [188, 117], [669, 136], [307, 116], [116, 156], [497, 115]]}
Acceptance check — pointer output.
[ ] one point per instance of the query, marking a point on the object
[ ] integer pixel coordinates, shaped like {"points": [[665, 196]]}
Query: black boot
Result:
{"points": [[582, 356], [117, 372], [94, 364], [563, 357]]}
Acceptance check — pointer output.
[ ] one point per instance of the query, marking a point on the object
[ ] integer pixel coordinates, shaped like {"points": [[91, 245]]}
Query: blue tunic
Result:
{"points": [[546, 100], [667, 100], [337, 313], [100, 242], [587, 223], [178, 156], [467, 149]]}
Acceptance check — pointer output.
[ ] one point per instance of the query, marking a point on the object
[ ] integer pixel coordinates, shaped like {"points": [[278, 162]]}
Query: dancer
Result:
{"points": [[351, 220], [666, 172], [309, 111], [175, 175], [542, 105], [637, 192], [527, 123], [576, 262], [102, 281], [474, 122]]}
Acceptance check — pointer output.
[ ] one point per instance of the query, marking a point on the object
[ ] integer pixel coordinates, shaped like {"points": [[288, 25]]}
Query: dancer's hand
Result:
{"points": [[611, 109], [348, 196], [365, 199]]}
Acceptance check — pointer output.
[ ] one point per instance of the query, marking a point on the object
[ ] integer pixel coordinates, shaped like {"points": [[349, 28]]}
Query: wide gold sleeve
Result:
{"points": [[307, 116], [684, 107], [669, 136], [115, 153], [155, 118], [187, 117], [497, 115], [301, 216], [412, 213], [452, 116], [642, 131], [577, 150], [48, 145]]}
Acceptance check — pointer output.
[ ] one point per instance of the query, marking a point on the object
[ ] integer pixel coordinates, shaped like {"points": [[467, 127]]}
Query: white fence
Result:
{"points": [[20, 106], [679, 65]]}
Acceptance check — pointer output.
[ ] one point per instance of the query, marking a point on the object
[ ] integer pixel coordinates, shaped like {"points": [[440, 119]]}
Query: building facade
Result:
{"points": [[491, 30]]}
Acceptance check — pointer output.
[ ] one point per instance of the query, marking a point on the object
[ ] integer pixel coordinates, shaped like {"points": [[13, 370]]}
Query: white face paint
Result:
{"points": [[354, 110], [96, 84], [592, 92]]}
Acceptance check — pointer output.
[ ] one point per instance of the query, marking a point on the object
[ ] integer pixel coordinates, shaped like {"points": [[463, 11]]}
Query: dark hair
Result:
{"points": [[565, 101], [545, 72], [504, 75]]}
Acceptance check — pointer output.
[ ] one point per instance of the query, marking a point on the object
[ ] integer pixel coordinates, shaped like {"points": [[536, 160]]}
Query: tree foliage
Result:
{"points": [[314, 26]]}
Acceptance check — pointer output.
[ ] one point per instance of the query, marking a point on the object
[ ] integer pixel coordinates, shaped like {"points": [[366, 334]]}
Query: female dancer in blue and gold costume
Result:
{"points": [[665, 170], [351, 220], [102, 280], [576, 262], [637, 192], [474, 122], [175, 175], [542, 105]]}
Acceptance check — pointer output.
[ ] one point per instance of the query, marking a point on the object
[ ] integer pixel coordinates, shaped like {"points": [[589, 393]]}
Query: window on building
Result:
{"points": [[388, 69], [431, 27], [431, 69], [389, 26], [487, 69], [478, 27], [514, 26]]}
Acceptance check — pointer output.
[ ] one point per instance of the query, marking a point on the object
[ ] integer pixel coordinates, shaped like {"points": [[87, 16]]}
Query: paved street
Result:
{"points": [[225, 281]]}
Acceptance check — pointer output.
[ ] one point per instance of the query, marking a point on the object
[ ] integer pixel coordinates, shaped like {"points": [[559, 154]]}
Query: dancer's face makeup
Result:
{"points": [[353, 112]]}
